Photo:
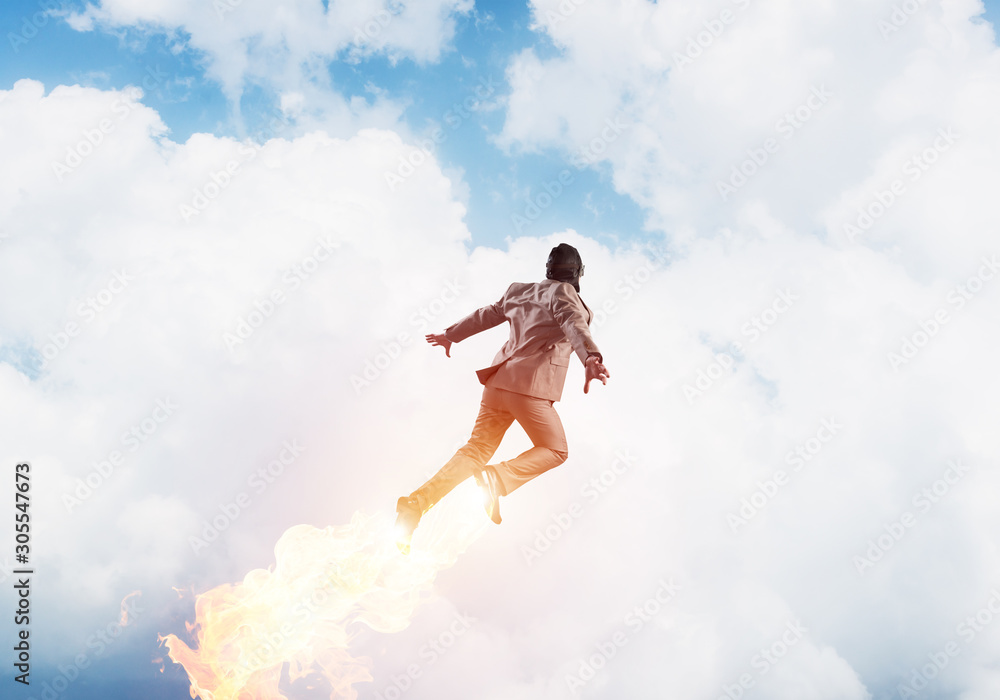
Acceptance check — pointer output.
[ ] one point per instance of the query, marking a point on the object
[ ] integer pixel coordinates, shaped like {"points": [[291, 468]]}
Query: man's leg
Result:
{"points": [[491, 424], [540, 421]]}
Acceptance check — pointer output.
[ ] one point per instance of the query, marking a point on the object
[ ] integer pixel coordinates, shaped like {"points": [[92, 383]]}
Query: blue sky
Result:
{"points": [[500, 183], [753, 285]]}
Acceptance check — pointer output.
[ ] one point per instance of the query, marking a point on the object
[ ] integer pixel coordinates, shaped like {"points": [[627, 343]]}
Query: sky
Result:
{"points": [[225, 227]]}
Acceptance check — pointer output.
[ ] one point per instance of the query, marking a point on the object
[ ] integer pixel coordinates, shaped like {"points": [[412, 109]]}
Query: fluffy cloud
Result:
{"points": [[846, 94], [772, 490], [821, 110], [168, 268], [287, 48]]}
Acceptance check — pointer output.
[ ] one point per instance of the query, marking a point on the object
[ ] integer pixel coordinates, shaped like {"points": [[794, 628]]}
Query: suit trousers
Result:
{"points": [[500, 408]]}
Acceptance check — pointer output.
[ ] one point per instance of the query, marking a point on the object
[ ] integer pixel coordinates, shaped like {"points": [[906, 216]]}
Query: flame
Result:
{"points": [[123, 620], [323, 581]]}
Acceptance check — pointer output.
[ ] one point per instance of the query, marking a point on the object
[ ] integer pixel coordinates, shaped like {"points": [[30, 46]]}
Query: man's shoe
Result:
{"points": [[406, 522], [489, 481]]}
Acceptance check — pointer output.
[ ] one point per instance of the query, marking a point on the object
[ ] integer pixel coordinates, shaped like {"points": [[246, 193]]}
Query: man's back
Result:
{"points": [[548, 321]]}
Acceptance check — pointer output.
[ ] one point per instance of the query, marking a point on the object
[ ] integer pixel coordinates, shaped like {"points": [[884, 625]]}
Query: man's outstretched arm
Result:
{"points": [[479, 320]]}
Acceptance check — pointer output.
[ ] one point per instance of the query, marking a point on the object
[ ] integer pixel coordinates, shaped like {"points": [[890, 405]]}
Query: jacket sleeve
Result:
{"points": [[479, 320], [571, 316]]}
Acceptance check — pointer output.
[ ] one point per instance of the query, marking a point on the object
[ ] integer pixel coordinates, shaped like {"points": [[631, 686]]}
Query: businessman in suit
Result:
{"points": [[548, 324]]}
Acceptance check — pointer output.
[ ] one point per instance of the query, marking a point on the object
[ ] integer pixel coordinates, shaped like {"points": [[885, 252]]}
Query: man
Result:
{"points": [[548, 322]]}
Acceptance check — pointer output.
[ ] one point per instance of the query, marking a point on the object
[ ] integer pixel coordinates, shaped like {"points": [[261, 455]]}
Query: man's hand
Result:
{"points": [[440, 339], [595, 369]]}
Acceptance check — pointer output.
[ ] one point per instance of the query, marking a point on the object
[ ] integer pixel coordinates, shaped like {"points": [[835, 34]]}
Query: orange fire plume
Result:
{"points": [[123, 620], [300, 612]]}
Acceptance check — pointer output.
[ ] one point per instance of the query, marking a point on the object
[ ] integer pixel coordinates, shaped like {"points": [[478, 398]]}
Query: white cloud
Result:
{"points": [[705, 425], [161, 338], [287, 47], [695, 109], [870, 105], [136, 303]]}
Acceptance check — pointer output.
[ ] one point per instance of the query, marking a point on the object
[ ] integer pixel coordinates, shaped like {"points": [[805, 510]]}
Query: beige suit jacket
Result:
{"points": [[548, 322]]}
